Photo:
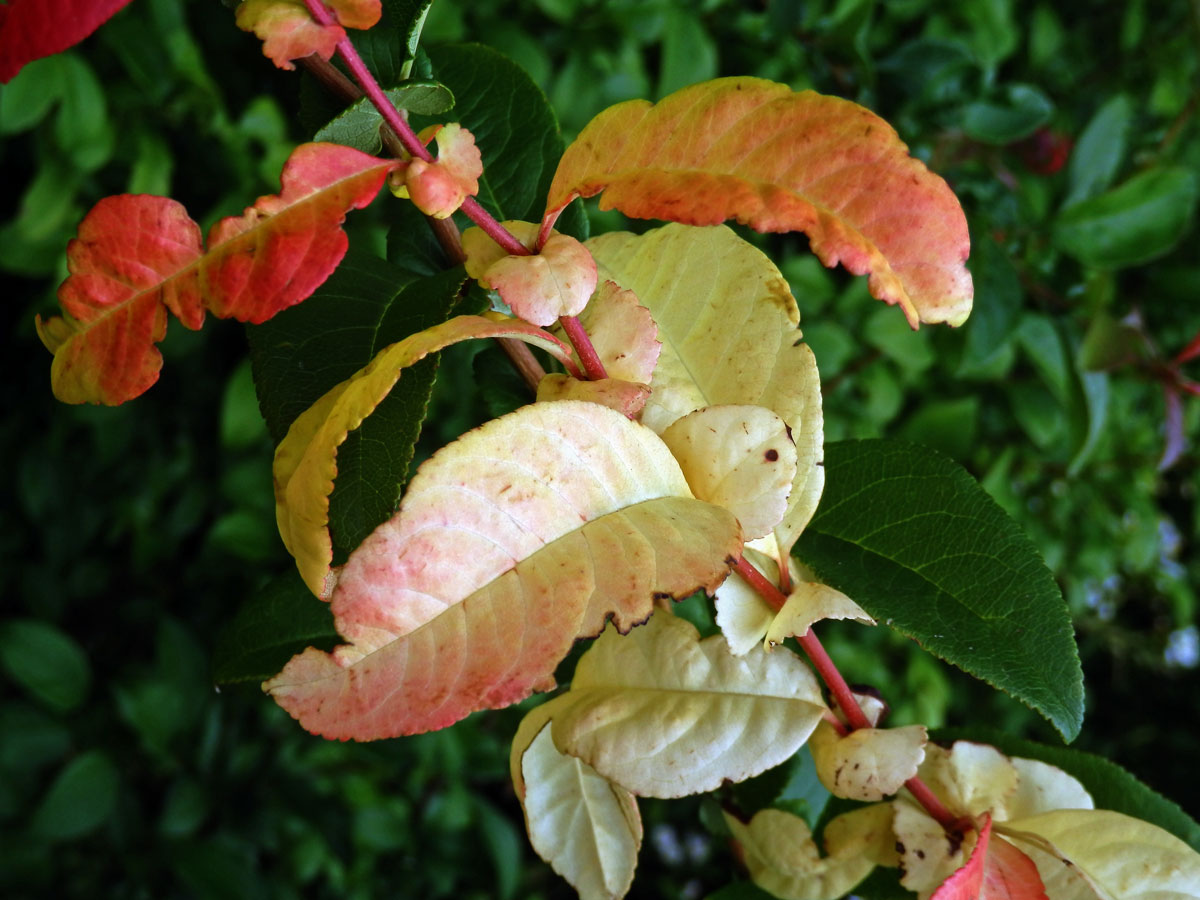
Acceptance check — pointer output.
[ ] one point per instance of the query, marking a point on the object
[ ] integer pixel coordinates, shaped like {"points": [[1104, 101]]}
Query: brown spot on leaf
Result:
{"points": [[771, 455]]}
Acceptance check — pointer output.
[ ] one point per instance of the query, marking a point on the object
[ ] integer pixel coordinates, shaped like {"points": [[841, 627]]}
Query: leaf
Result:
{"points": [[1120, 856], [581, 515], [137, 256], [742, 614], [924, 549], [289, 32], [625, 397], [1135, 222], [665, 714], [278, 622], [82, 797], [738, 457], [1100, 150], [781, 857], [753, 150], [1019, 111], [587, 828], [867, 764], [306, 459], [996, 871], [46, 661], [727, 322], [623, 333], [358, 125], [31, 29], [438, 188], [810, 602], [555, 282]]}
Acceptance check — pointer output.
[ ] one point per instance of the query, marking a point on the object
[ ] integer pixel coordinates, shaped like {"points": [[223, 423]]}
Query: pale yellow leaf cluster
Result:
{"points": [[306, 459], [779, 852], [510, 544]]}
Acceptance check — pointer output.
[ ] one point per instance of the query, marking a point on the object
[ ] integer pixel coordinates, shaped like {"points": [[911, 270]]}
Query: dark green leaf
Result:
{"points": [[1111, 786], [1100, 150], [912, 538], [1133, 223], [998, 298], [45, 661], [358, 125], [81, 798], [26, 99], [948, 426], [270, 629], [407, 18], [1018, 112], [1040, 340]]}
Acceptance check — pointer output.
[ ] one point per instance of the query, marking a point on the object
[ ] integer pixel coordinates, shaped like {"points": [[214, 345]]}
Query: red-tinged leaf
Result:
{"points": [[996, 871], [753, 150], [287, 30], [137, 256], [439, 188], [546, 286], [468, 599], [31, 29], [360, 14], [282, 248], [134, 257]]}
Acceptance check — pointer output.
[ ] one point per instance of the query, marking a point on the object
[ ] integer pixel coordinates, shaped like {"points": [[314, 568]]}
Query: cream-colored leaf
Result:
{"points": [[510, 544], [927, 855], [625, 397], [970, 778], [1123, 858], [585, 827], [867, 764], [666, 714], [623, 333], [738, 457], [543, 287], [810, 602], [1041, 788], [481, 251], [728, 326], [782, 858], [306, 459], [742, 615]]}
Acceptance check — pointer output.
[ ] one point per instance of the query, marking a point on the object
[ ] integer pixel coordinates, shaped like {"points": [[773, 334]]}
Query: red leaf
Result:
{"points": [[996, 871], [31, 29], [137, 256], [776, 160]]}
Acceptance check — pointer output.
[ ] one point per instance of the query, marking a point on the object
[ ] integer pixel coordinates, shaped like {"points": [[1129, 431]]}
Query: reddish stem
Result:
{"points": [[841, 692], [1191, 351], [588, 357], [408, 138]]}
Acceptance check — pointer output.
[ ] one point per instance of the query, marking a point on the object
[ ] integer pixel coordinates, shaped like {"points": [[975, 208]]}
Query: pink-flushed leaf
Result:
{"points": [[287, 30], [134, 256], [438, 188], [625, 397], [776, 160], [543, 288], [623, 333], [996, 871], [306, 459], [283, 247], [482, 251], [137, 256], [511, 543], [31, 29]]}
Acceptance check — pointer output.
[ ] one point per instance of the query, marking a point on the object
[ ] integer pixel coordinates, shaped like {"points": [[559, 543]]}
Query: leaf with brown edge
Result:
{"points": [[755, 151], [666, 714], [137, 256], [727, 324], [469, 597], [306, 459], [586, 827]]}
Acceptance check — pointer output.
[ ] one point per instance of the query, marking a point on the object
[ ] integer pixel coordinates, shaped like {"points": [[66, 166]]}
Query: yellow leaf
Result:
{"points": [[1086, 853], [742, 614], [782, 859], [510, 544], [776, 160], [811, 602], [738, 457], [306, 459], [728, 326], [1041, 788], [587, 828], [867, 764], [665, 714], [481, 251]]}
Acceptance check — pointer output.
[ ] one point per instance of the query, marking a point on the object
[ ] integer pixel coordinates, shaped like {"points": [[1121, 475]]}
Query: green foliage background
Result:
{"points": [[135, 534]]}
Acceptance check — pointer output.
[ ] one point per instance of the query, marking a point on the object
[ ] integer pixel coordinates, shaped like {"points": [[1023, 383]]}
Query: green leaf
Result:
{"points": [[300, 354], [358, 125], [689, 53], [45, 661], [79, 801], [1018, 112], [26, 99], [1135, 222], [269, 629], [998, 299], [407, 17], [82, 128], [1111, 786], [916, 542], [1100, 150]]}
